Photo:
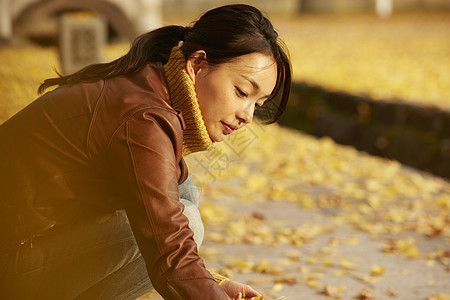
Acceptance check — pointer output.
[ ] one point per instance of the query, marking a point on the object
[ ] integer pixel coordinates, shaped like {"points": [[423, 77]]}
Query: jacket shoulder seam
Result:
{"points": [[130, 114], [94, 116]]}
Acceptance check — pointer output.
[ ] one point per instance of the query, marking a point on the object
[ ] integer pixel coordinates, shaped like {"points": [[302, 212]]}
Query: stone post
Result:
{"points": [[383, 8], [81, 40], [150, 16]]}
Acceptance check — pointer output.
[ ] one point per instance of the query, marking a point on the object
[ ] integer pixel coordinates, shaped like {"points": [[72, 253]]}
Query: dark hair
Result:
{"points": [[224, 33]]}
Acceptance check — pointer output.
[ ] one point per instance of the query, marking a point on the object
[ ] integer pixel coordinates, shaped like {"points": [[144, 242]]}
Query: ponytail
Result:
{"points": [[153, 46]]}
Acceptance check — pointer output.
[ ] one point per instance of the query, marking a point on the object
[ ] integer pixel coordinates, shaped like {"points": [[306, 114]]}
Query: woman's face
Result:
{"points": [[228, 93]]}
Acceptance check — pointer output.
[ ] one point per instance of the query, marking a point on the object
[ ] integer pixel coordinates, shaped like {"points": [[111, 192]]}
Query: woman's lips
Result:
{"points": [[227, 129]]}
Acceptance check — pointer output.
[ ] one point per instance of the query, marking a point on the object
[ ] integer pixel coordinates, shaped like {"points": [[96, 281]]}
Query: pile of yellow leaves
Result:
{"points": [[403, 57], [21, 72]]}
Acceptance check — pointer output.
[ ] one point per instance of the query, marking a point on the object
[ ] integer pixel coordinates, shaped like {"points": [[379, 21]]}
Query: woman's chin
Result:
{"points": [[217, 138]]}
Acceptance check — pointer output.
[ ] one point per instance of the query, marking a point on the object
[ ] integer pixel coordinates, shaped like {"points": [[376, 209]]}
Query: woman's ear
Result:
{"points": [[195, 63]]}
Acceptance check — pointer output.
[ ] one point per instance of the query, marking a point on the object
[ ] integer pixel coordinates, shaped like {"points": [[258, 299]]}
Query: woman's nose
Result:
{"points": [[245, 115]]}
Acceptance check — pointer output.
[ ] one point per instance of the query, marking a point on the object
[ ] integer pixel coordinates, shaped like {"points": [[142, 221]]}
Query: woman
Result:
{"points": [[95, 201]]}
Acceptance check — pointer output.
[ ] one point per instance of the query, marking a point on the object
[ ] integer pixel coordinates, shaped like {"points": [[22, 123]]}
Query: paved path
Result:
{"points": [[342, 259], [323, 243]]}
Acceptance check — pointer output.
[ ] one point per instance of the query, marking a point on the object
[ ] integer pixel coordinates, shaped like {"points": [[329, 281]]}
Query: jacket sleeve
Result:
{"points": [[143, 157], [189, 191]]}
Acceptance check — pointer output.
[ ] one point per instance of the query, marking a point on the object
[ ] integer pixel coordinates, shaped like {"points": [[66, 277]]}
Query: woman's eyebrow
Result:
{"points": [[255, 85], [252, 81]]}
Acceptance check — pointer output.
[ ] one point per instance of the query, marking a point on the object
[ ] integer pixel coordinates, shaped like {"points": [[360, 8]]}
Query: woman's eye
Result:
{"points": [[240, 92]]}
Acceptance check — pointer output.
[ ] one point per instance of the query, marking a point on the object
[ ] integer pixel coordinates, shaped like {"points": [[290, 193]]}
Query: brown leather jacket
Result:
{"points": [[98, 147]]}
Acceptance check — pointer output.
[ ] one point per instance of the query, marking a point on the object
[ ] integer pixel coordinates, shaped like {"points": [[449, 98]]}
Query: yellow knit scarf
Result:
{"points": [[183, 98]]}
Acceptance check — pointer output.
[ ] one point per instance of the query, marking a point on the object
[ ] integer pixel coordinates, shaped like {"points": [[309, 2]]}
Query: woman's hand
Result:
{"points": [[238, 291]]}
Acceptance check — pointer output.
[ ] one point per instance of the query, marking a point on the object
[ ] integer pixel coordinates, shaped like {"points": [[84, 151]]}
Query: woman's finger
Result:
{"points": [[249, 291]]}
